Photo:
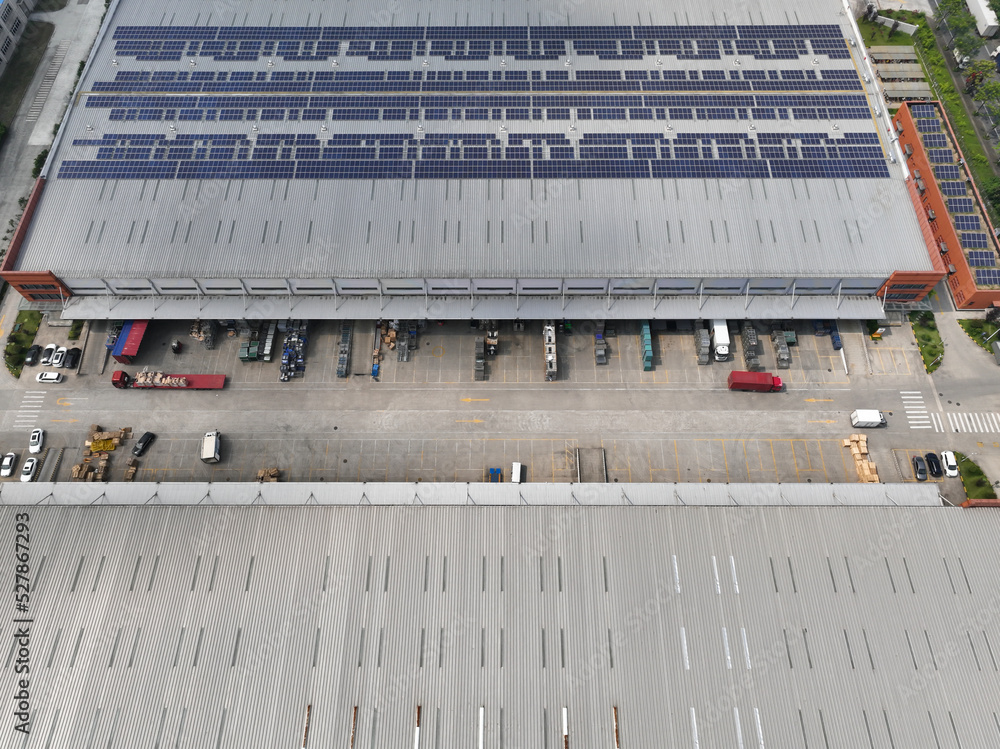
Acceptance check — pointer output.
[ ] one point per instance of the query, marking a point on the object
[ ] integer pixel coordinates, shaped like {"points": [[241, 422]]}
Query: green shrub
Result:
{"points": [[39, 163], [74, 330]]}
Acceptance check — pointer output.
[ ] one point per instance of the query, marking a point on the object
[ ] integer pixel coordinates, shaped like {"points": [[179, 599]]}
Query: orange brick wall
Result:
{"points": [[940, 233]]}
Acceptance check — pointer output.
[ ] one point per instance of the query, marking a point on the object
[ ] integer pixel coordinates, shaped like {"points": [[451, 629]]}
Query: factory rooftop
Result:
{"points": [[510, 626], [353, 141]]}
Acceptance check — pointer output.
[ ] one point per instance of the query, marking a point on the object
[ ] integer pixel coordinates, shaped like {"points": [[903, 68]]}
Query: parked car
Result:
{"points": [[59, 357], [72, 358], [47, 355], [949, 464], [28, 471], [919, 468], [49, 377], [144, 441], [933, 465], [36, 441], [31, 358], [7, 465]]}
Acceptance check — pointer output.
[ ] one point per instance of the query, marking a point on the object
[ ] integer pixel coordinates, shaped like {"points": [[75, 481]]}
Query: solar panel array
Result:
{"points": [[987, 277], [940, 155], [969, 223], [953, 188], [982, 258], [974, 240], [479, 81], [458, 155], [441, 88], [928, 126], [935, 140], [948, 172], [961, 205], [379, 43], [920, 111]]}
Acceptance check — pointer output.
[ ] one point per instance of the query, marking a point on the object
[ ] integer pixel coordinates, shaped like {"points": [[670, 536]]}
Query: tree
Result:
{"points": [[968, 43], [988, 95], [963, 25], [994, 6]]}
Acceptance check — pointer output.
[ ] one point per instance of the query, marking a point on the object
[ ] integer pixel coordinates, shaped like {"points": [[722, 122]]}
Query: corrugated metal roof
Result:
{"points": [[463, 228], [682, 627], [431, 493]]}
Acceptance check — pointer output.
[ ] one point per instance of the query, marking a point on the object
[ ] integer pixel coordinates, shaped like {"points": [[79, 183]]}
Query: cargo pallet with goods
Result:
{"points": [[293, 350], [344, 350], [646, 342], [549, 343]]}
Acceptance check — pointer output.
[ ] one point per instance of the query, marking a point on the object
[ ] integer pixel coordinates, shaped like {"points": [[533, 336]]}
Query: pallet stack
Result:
{"points": [[268, 474], [867, 470]]}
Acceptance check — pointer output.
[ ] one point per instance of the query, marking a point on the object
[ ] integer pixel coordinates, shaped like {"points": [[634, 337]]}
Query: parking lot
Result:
{"points": [[427, 419]]}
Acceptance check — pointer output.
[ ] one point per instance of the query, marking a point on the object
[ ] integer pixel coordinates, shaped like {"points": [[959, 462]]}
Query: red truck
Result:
{"points": [[758, 382], [168, 381]]}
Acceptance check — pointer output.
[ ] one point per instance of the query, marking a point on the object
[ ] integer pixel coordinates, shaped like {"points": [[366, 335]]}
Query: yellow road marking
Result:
{"points": [[474, 400], [822, 421], [819, 400], [469, 421]]}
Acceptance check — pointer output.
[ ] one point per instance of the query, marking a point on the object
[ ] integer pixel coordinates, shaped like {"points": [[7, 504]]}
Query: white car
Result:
{"points": [[49, 377], [7, 465], [36, 441], [949, 464], [47, 353], [28, 471], [59, 356]]}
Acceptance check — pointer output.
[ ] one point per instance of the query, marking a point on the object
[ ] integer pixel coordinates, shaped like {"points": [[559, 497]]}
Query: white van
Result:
{"points": [[516, 470], [867, 418], [211, 446]]}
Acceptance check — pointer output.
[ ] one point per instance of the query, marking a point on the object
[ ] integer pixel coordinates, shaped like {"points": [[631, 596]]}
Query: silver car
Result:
{"points": [[7, 465]]}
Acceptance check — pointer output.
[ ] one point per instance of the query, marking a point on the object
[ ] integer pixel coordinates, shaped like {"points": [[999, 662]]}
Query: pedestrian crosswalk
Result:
{"points": [[973, 422], [28, 412], [916, 409], [919, 417]]}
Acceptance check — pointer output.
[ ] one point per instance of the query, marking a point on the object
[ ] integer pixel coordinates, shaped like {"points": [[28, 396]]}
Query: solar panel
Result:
{"points": [[923, 110], [928, 126], [970, 223], [961, 205], [974, 240], [982, 258], [988, 277], [935, 140], [953, 188], [940, 155], [948, 172]]}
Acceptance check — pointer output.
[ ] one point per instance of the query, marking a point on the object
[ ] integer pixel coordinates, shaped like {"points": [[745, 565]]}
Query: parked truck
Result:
{"points": [[867, 418], [758, 382], [211, 446], [986, 19], [720, 340], [164, 381]]}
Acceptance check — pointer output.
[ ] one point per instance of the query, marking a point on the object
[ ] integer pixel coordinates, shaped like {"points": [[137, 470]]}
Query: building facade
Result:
{"points": [[13, 20]]}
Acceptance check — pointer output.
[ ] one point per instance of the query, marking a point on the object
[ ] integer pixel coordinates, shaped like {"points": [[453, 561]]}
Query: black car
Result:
{"points": [[144, 441], [933, 465], [919, 468], [72, 358], [31, 358]]}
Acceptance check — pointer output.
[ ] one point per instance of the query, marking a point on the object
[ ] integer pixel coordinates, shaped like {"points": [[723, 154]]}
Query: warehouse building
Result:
{"points": [[489, 627], [960, 236], [13, 21], [343, 160]]}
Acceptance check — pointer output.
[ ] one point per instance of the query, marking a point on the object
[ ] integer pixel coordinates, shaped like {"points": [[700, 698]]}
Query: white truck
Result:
{"points": [[867, 418], [720, 340], [211, 446], [986, 19]]}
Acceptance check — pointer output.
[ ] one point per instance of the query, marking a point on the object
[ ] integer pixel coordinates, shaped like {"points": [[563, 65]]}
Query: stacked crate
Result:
{"points": [[702, 345], [646, 341], [781, 352], [751, 348], [480, 358], [549, 342], [344, 350], [867, 470]]}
